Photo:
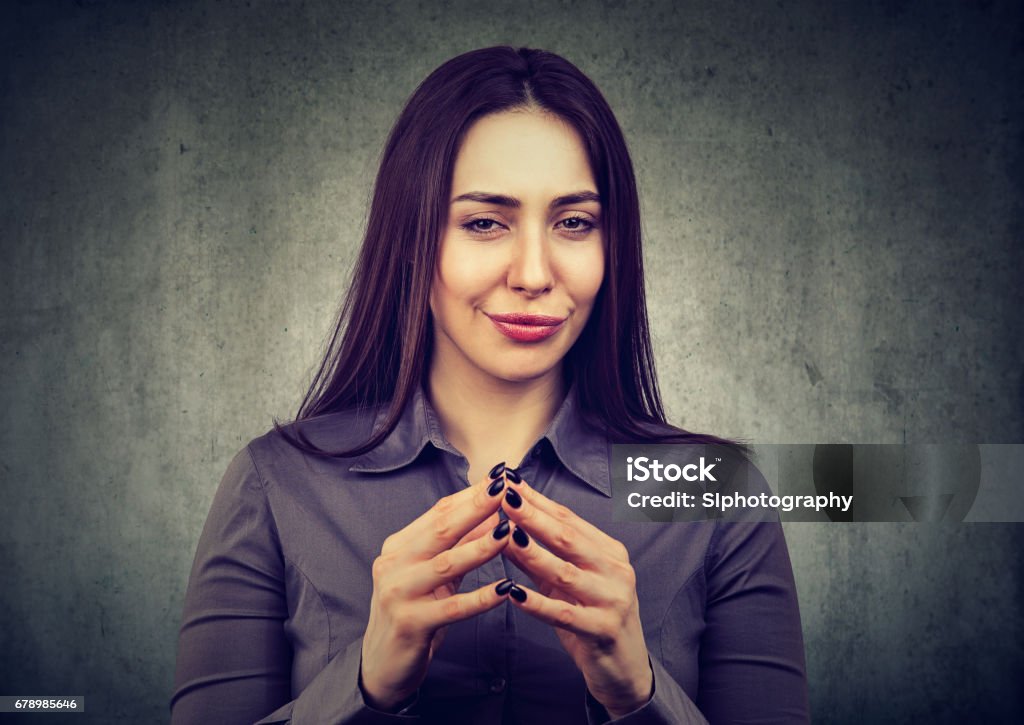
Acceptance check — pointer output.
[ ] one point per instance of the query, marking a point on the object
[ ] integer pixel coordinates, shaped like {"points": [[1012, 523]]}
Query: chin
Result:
{"points": [[522, 374]]}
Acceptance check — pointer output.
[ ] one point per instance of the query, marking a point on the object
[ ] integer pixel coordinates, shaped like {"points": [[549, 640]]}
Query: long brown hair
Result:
{"points": [[381, 343]]}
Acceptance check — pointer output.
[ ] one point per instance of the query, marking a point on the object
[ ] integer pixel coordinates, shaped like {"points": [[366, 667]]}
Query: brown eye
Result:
{"points": [[480, 226], [577, 225]]}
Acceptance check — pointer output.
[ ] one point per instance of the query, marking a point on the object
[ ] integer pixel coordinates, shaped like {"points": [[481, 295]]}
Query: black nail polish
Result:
{"points": [[520, 537], [495, 488], [513, 498], [513, 475], [501, 530], [497, 470], [503, 587], [516, 593]]}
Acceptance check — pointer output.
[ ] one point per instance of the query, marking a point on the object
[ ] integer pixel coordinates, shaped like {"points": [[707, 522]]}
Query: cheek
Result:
{"points": [[458, 278], [464, 275], [584, 275], [448, 293], [446, 277]]}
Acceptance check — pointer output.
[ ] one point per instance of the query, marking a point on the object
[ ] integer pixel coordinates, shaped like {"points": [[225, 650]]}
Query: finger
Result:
{"points": [[457, 607], [485, 527], [563, 536], [446, 522], [451, 564], [549, 573], [564, 514], [590, 622]]}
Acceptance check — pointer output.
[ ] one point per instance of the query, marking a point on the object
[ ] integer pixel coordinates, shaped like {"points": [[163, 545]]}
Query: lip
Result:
{"points": [[523, 327]]}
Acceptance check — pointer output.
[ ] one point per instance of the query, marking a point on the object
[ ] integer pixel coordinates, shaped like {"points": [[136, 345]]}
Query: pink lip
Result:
{"points": [[522, 327]]}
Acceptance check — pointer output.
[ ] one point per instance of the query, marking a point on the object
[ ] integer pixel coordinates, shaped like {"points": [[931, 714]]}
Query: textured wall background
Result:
{"points": [[832, 197]]}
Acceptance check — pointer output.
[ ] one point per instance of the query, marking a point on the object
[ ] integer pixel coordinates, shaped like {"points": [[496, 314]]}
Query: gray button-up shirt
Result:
{"points": [[279, 594]]}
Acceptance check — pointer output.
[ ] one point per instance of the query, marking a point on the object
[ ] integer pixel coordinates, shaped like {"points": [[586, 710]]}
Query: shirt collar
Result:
{"points": [[583, 450], [416, 427]]}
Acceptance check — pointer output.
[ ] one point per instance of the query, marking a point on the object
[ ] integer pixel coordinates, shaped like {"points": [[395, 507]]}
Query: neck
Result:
{"points": [[474, 408]]}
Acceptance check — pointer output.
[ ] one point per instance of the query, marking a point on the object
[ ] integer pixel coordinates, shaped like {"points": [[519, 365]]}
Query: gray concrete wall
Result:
{"points": [[832, 199]]}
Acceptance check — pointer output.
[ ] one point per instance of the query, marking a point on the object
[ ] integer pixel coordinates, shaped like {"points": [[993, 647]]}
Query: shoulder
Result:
{"points": [[273, 453], [652, 431]]}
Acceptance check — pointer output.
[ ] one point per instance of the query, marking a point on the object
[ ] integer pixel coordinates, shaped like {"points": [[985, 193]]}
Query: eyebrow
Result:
{"points": [[577, 197]]}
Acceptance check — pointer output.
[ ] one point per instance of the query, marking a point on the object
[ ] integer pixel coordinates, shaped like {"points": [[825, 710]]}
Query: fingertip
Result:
{"points": [[521, 538], [517, 594], [512, 498], [495, 487], [501, 531], [513, 513]]}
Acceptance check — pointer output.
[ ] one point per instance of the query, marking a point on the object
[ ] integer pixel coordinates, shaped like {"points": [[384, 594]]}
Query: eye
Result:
{"points": [[577, 225], [481, 226]]}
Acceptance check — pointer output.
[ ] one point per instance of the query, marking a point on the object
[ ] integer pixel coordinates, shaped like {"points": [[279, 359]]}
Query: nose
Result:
{"points": [[530, 270]]}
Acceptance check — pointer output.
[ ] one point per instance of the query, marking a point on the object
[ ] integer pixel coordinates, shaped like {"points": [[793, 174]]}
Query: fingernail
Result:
{"points": [[496, 471], [520, 537], [495, 488], [501, 530], [516, 593], [503, 587], [512, 475], [513, 498]]}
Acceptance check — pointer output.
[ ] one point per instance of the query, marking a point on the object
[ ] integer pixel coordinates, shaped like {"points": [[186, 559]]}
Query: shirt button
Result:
{"points": [[537, 450], [497, 685]]}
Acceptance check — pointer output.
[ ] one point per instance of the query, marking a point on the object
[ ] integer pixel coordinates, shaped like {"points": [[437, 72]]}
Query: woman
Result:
{"points": [[378, 560]]}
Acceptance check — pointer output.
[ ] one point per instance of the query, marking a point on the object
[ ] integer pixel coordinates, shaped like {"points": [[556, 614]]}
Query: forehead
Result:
{"points": [[522, 151]]}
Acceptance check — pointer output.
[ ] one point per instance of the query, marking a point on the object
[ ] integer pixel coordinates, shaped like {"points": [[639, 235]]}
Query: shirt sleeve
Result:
{"points": [[669, 705], [234, 658], [751, 661], [751, 655]]}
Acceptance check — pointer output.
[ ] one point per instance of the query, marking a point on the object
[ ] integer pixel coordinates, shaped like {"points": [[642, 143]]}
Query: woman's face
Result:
{"points": [[521, 257]]}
